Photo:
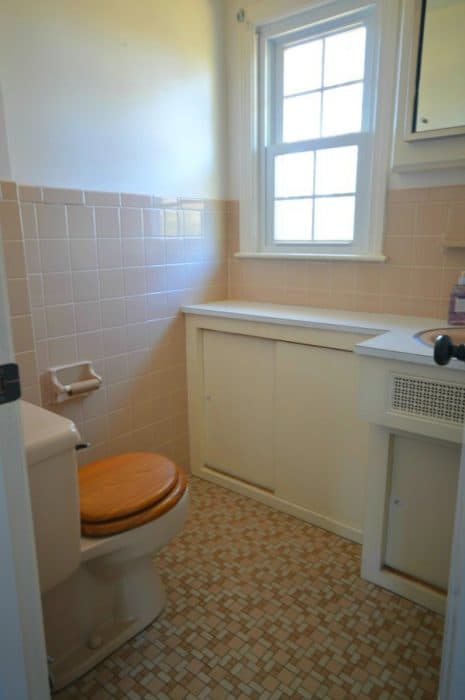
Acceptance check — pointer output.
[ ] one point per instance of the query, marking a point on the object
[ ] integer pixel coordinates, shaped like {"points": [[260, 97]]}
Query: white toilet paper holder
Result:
{"points": [[73, 380]]}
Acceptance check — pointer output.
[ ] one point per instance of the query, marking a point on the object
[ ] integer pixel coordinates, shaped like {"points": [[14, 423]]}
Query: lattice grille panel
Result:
{"points": [[428, 398]]}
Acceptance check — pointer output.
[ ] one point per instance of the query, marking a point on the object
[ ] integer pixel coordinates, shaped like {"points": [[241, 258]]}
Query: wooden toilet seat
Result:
{"points": [[123, 492]]}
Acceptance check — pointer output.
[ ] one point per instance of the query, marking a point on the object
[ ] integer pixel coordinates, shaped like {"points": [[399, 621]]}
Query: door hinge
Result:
{"points": [[10, 385]]}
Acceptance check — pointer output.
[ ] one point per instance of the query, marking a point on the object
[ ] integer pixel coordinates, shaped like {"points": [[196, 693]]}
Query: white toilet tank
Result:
{"points": [[50, 442]]}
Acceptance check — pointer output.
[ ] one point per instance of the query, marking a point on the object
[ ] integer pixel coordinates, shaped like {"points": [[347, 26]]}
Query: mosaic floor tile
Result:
{"points": [[264, 606]]}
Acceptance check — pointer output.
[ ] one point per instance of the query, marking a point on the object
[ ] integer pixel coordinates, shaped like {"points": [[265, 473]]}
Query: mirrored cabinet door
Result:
{"points": [[437, 95]]}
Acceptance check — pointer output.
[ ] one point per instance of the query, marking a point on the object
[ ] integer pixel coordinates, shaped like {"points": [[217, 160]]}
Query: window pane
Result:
{"points": [[345, 57], [301, 117], [336, 170], [334, 219], [293, 220], [293, 174], [342, 110], [302, 67]]}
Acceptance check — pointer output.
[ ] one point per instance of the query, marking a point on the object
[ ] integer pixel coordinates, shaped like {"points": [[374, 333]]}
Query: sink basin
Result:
{"points": [[455, 333]]}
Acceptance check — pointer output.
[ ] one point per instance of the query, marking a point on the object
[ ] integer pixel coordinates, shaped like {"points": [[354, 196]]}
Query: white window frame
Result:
{"points": [[272, 41], [261, 22]]}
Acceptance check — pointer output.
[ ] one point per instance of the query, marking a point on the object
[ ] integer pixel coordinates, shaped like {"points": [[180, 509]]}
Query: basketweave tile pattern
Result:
{"points": [[262, 605]]}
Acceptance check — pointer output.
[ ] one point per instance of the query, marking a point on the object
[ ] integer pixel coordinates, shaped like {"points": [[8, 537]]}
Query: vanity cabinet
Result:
{"points": [[416, 414], [271, 415], [420, 519]]}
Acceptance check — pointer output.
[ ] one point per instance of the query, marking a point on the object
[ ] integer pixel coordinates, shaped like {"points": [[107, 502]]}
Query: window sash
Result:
{"points": [[362, 141], [278, 46], [271, 53]]}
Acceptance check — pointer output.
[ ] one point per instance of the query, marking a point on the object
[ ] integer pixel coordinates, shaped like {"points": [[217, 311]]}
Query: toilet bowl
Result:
{"points": [[100, 588]]}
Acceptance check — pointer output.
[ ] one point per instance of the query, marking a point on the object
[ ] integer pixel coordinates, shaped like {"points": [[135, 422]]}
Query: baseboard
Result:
{"points": [[270, 499]]}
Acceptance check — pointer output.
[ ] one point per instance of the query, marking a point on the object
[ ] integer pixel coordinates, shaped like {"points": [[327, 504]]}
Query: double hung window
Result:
{"points": [[316, 146]]}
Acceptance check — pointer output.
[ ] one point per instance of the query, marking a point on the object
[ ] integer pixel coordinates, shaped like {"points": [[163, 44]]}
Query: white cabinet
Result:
{"points": [[272, 415], [238, 394], [413, 465], [321, 443], [424, 475], [289, 415]]}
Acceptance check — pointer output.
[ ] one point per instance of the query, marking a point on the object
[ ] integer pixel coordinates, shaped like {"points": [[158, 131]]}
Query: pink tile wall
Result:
{"points": [[18, 293], [416, 279], [102, 276]]}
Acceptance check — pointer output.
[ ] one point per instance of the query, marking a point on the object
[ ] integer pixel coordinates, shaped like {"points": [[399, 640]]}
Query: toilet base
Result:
{"points": [[97, 610]]}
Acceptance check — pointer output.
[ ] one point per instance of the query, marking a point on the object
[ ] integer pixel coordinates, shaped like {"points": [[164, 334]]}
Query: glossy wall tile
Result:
{"points": [[101, 276], [416, 279]]}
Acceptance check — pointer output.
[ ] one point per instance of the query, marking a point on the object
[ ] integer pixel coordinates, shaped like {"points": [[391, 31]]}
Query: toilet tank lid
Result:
{"points": [[45, 433]]}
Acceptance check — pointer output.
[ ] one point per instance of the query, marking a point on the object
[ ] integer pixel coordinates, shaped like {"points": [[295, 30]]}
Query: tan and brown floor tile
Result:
{"points": [[264, 606]]}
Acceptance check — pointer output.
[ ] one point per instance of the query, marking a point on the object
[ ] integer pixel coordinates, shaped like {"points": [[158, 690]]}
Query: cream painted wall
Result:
{"points": [[234, 97], [5, 168], [114, 94]]}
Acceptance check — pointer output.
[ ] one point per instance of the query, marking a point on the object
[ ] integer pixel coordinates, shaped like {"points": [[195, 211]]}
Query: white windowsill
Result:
{"points": [[342, 257]]}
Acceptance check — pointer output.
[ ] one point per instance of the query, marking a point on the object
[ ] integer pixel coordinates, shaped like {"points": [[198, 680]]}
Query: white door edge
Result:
{"points": [[452, 682], [23, 664]]}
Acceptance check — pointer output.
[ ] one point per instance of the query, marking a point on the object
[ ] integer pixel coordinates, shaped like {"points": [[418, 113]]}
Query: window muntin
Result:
{"points": [[320, 185], [318, 128], [318, 77]]}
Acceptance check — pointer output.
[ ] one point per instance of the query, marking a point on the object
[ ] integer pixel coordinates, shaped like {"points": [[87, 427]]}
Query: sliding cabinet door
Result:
{"points": [[238, 406], [321, 444]]}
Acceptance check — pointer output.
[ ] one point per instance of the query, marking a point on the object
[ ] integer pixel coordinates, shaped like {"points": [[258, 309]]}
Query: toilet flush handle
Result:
{"points": [[82, 446]]}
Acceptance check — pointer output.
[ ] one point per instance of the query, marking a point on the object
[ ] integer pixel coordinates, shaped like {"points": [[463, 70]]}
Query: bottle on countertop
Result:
{"points": [[457, 303]]}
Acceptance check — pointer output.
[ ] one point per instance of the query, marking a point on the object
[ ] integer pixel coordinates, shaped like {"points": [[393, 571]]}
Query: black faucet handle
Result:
{"points": [[444, 349]]}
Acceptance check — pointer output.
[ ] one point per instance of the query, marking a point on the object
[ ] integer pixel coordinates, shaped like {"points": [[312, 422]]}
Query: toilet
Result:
{"points": [[97, 529]]}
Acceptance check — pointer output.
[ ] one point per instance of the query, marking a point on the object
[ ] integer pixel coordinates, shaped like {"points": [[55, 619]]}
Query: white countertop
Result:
{"points": [[390, 337]]}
